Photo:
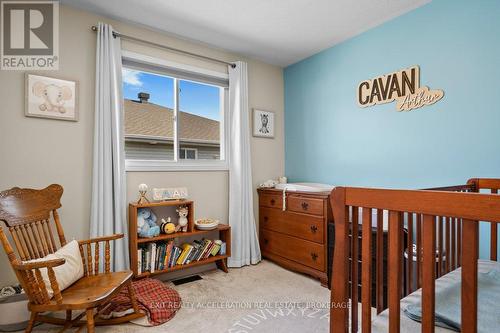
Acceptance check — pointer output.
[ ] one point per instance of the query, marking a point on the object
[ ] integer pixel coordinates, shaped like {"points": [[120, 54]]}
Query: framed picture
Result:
{"points": [[263, 123], [48, 97]]}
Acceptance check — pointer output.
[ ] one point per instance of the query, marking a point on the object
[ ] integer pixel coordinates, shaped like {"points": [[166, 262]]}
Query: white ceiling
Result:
{"points": [[279, 32]]}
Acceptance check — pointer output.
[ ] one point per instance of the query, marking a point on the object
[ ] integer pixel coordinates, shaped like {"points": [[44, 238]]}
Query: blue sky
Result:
{"points": [[199, 99]]}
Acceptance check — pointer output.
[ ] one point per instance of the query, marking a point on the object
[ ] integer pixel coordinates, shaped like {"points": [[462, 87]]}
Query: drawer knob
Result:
{"points": [[305, 205], [266, 241], [273, 202], [314, 229], [266, 218], [314, 256]]}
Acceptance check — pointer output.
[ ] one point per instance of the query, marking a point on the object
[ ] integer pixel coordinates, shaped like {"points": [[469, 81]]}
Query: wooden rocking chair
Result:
{"points": [[27, 214]]}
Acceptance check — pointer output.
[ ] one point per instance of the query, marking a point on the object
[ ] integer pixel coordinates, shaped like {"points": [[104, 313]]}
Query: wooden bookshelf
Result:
{"points": [[224, 232]]}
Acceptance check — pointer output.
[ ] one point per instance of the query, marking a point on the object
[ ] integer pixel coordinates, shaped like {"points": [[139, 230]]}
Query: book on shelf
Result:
{"points": [[209, 249], [198, 248], [172, 256], [168, 254], [153, 257], [186, 251], [157, 255], [139, 261], [160, 256], [163, 254], [206, 246], [148, 258], [144, 260], [216, 247], [175, 255], [222, 248]]}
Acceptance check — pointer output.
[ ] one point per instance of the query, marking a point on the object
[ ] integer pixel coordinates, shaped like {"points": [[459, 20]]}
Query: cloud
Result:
{"points": [[131, 77]]}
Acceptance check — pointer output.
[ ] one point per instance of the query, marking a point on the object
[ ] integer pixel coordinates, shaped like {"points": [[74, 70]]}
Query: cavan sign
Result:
{"points": [[29, 35], [402, 86]]}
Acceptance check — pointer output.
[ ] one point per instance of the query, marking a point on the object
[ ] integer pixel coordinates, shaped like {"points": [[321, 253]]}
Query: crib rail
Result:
{"points": [[454, 188], [491, 185], [480, 185], [441, 219]]}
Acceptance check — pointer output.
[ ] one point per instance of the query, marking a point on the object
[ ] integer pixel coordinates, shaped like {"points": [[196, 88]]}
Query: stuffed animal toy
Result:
{"points": [[146, 223], [167, 226], [268, 184], [183, 221]]}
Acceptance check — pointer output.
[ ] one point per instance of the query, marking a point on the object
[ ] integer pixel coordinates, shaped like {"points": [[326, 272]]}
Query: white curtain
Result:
{"points": [[245, 245], [108, 207]]}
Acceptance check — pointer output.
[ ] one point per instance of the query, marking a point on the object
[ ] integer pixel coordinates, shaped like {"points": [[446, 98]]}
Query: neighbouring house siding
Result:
{"points": [[162, 151], [146, 151]]}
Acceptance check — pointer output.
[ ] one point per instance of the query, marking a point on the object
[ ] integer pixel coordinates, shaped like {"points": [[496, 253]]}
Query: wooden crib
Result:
{"points": [[444, 218]]}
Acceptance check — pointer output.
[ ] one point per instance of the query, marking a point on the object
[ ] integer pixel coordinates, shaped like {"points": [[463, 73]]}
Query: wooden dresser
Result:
{"points": [[295, 238]]}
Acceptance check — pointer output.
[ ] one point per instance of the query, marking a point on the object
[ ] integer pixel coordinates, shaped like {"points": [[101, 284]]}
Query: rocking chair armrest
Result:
{"points": [[100, 239], [27, 266], [91, 262], [33, 282]]}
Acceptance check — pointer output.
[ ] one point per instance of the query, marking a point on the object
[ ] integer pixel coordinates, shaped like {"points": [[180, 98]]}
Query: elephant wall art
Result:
{"points": [[53, 98]]}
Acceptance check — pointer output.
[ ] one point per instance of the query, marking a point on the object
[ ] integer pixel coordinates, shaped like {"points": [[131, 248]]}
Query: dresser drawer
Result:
{"points": [[301, 251], [299, 225], [271, 200], [305, 205]]}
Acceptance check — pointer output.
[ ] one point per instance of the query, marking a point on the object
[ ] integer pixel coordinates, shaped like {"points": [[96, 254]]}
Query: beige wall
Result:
{"points": [[38, 152]]}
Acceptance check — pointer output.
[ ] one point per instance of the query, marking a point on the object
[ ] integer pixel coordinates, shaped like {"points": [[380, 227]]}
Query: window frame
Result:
{"points": [[178, 164]]}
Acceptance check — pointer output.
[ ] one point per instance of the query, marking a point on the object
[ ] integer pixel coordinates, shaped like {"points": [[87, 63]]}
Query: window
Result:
{"points": [[188, 153], [174, 119]]}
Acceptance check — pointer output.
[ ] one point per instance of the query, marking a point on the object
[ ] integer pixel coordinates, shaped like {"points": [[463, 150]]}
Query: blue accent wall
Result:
{"points": [[329, 139]]}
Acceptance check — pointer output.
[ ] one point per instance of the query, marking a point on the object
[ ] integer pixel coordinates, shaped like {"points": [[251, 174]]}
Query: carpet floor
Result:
{"points": [[261, 298]]}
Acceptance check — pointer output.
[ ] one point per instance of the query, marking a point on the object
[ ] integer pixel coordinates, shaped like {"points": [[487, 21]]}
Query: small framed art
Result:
{"points": [[48, 97], [263, 123]]}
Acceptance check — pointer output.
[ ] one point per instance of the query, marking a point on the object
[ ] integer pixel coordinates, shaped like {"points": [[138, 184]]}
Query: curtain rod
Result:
{"points": [[173, 49]]}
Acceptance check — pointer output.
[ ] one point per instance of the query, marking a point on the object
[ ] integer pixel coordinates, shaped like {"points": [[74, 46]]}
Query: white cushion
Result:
{"points": [[68, 273]]}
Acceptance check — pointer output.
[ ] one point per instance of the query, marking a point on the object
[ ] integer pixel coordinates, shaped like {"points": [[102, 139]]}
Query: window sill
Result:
{"points": [[160, 165]]}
